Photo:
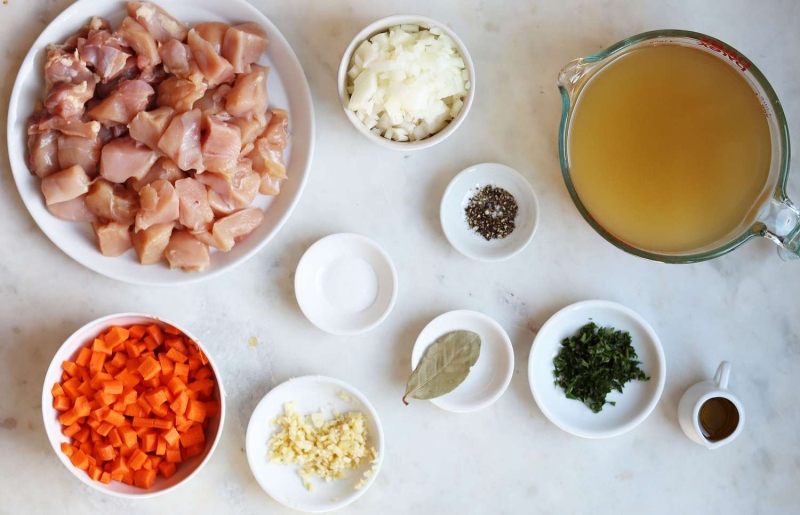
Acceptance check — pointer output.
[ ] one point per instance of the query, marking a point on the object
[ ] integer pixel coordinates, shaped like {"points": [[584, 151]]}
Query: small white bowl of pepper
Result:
{"points": [[489, 212]]}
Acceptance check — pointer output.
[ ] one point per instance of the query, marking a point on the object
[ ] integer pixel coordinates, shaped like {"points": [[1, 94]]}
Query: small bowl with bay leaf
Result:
{"points": [[462, 361], [596, 369]]}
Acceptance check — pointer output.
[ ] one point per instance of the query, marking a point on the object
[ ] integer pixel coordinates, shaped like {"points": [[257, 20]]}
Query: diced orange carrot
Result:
{"points": [[155, 331], [149, 368], [149, 343], [131, 349], [149, 442], [180, 403], [94, 472], [97, 380], [119, 466], [193, 436], [105, 452], [152, 383], [128, 378], [128, 435], [114, 418], [96, 362], [101, 346], [142, 422], [137, 331], [181, 371], [71, 429], [87, 448], [167, 469], [171, 437], [177, 356], [68, 450], [178, 345], [134, 410], [116, 335], [57, 391], [172, 330], [144, 478], [105, 428], [157, 397], [128, 396], [71, 386], [161, 446], [137, 459], [193, 450], [196, 411], [80, 460], [86, 389], [70, 368], [61, 403], [128, 478], [194, 366], [83, 356], [204, 373], [82, 436], [174, 456], [176, 386], [114, 438], [114, 387], [163, 424], [166, 364], [105, 478], [104, 399]]}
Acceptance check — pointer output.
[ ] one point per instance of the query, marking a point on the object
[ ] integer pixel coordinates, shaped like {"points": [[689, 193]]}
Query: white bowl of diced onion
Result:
{"points": [[406, 82]]}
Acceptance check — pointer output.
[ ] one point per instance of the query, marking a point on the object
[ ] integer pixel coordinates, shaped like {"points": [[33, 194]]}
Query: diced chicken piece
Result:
{"points": [[67, 100], [103, 52], [213, 66], [158, 204], [64, 66], [124, 103], [268, 159], [150, 243], [226, 197], [178, 59], [160, 24], [269, 185], [141, 41], [195, 213], [243, 45], [163, 169], [249, 93], [236, 227], [74, 210], [213, 32], [185, 251], [76, 150], [221, 144], [43, 153], [181, 141], [113, 238], [180, 94], [148, 126], [65, 185], [252, 127], [206, 238], [67, 126], [155, 75], [129, 72], [213, 102], [123, 158], [277, 131], [112, 202]]}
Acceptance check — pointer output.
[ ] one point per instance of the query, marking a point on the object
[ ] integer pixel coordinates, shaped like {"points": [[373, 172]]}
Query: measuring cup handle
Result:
{"points": [[781, 224], [723, 374]]}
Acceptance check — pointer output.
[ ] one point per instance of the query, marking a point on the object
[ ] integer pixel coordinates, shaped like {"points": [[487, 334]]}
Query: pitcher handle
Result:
{"points": [[723, 374], [782, 226]]}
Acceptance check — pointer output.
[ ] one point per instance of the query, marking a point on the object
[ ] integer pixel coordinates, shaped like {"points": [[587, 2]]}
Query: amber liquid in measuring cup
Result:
{"points": [[670, 149]]}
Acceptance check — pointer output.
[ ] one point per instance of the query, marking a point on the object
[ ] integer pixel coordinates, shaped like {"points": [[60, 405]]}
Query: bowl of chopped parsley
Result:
{"points": [[596, 369]]}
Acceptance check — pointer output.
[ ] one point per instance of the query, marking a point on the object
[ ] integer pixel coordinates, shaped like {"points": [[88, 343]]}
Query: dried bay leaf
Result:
{"points": [[444, 366]]}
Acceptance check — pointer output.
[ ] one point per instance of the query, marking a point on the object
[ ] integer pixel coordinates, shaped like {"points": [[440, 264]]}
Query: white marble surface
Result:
{"points": [[744, 307]]}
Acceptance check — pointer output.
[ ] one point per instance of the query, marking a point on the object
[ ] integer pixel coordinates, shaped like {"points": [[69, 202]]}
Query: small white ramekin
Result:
{"points": [[383, 25]]}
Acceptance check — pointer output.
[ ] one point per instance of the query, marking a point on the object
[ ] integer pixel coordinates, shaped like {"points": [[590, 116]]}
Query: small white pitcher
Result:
{"points": [[728, 407]]}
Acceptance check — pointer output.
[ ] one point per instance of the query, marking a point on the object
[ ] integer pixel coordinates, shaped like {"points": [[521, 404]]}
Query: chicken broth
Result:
{"points": [[669, 149]]}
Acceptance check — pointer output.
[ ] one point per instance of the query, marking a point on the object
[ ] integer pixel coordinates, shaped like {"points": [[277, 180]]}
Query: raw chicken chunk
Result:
{"points": [[177, 59], [186, 252], [137, 37], [249, 93], [158, 204], [76, 150], [148, 126], [213, 102], [65, 185], [123, 158], [195, 212], [103, 52], [67, 100], [160, 24], [43, 153], [129, 72], [67, 126], [213, 32], [124, 103], [113, 239], [112, 202], [150, 243], [251, 127], [236, 227], [221, 144], [243, 45], [163, 169], [213, 66], [181, 141], [226, 197], [74, 210], [64, 66], [180, 94]]}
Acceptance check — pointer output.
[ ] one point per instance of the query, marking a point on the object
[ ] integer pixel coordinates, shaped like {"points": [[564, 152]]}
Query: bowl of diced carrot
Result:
{"points": [[133, 405]]}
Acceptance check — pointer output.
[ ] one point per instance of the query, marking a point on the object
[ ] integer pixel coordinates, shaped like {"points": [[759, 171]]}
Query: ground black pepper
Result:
{"points": [[491, 212]]}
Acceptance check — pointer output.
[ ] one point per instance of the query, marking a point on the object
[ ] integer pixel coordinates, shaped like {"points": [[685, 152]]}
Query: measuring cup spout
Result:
{"points": [[781, 224]]}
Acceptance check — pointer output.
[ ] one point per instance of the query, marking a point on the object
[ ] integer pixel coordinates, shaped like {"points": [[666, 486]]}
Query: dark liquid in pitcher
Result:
{"points": [[719, 418]]}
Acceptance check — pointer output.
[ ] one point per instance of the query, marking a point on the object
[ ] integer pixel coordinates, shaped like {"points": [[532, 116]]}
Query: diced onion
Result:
{"points": [[407, 83]]}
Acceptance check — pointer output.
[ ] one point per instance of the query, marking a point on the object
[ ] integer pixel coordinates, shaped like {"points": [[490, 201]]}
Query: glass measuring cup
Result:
{"points": [[778, 218]]}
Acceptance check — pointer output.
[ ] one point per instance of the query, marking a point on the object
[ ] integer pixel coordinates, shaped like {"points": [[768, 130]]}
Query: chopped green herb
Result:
{"points": [[594, 362]]}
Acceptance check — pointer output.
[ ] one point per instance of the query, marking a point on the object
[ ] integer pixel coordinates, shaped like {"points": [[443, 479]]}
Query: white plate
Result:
{"points": [[491, 374], [68, 351], [287, 87], [638, 398], [345, 284], [457, 196], [310, 394]]}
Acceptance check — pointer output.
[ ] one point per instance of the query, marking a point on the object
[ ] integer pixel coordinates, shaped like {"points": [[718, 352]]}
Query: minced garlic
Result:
{"points": [[323, 448]]}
